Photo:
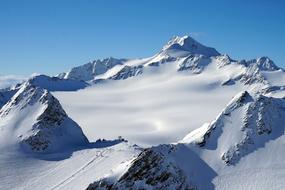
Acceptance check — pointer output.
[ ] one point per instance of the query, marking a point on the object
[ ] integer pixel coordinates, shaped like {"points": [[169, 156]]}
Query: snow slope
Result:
{"points": [[240, 149], [162, 101], [65, 170]]}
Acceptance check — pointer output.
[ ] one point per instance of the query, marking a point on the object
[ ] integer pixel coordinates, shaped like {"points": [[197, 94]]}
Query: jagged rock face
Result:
{"points": [[194, 63], [128, 71], [48, 122], [272, 89], [150, 170], [261, 118], [2, 99], [253, 121], [49, 131], [88, 71]]}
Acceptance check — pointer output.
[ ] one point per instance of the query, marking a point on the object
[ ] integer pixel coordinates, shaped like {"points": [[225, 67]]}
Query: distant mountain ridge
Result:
{"points": [[187, 52], [184, 51]]}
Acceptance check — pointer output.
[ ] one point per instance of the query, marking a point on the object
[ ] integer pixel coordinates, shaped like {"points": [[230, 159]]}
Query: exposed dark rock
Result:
{"points": [[127, 72], [150, 170]]}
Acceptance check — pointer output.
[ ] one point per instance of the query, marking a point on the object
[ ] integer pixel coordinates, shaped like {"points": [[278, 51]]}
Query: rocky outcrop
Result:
{"points": [[150, 170], [128, 71]]}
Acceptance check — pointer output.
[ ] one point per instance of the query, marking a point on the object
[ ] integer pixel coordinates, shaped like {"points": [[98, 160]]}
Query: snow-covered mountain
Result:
{"points": [[186, 54], [45, 82], [189, 46], [88, 71], [174, 72], [246, 124], [35, 120], [204, 120]]}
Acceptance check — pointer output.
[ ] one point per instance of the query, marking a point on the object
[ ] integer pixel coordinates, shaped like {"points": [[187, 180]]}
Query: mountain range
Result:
{"points": [[188, 117]]}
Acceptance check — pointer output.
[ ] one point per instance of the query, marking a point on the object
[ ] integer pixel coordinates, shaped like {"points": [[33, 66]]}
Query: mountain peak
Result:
{"points": [[265, 63], [44, 125], [188, 44]]}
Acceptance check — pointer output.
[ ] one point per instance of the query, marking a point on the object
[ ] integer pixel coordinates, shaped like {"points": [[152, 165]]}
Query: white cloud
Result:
{"points": [[10, 80], [198, 34]]}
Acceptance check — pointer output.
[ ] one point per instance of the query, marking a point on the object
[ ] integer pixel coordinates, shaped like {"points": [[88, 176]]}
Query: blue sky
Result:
{"points": [[54, 35]]}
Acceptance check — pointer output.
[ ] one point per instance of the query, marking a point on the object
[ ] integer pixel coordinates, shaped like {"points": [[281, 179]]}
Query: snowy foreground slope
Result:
{"points": [[204, 120], [43, 148]]}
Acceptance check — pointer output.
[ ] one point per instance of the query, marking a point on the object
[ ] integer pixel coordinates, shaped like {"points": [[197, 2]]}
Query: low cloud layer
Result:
{"points": [[10, 80]]}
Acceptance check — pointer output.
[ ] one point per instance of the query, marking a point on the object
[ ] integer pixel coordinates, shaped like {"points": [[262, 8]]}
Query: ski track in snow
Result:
{"points": [[84, 167]]}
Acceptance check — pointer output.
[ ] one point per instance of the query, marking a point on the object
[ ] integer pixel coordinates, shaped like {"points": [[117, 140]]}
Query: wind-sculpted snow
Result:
{"points": [[36, 121]]}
